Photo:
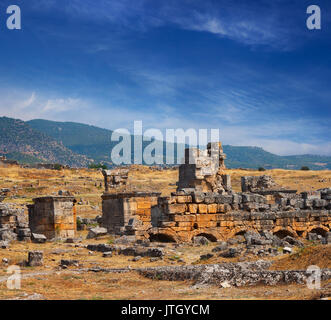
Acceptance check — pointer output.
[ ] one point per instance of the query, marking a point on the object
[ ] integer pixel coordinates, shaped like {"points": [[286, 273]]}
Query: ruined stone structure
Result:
{"points": [[204, 204], [203, 170], [13, 223], [115, 178], [131, 210], [53, 216], [219, 217]]}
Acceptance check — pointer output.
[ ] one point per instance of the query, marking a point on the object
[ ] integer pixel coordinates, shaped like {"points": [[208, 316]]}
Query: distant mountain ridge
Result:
{"points": [[18, 139], [78, 144], [95, 143]]}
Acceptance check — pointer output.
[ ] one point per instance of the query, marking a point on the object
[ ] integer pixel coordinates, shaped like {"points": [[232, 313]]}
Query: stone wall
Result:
{"points": [[53, 216], [220, 217], [13, 223]]}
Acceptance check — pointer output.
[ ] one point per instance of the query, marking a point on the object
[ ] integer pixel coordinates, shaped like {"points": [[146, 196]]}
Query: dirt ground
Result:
{"points": [[52, 282]]}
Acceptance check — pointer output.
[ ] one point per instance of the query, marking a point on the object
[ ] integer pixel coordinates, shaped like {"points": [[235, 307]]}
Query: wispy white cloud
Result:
{"points": [[60, 105], [263, 23]]}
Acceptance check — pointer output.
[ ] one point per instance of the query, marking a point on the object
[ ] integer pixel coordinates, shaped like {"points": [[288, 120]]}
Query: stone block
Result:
{"points": [[193, 208], [203, 208], [176, 208], [212, 208]]}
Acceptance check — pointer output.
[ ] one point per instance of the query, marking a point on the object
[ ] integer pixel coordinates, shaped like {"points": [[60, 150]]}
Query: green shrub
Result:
{"points": [[305, 168], [57, 166], [97, 166], [261, 169]]}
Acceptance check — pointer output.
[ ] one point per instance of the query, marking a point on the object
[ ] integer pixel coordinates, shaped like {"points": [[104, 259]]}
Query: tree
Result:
{"points": [[97, 166]]}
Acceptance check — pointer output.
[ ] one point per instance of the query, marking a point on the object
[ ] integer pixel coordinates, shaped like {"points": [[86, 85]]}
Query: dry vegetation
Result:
{"points": [[54, 283]]}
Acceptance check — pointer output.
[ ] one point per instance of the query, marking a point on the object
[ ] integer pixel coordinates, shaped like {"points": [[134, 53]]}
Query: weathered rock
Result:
{"points": [[287, 250], [101, 247], [5, 260], [206, 256], [221, 247], [35, 258], [68, 263], [293, 241], [38, 238], [137, 258], [107, 254], [125, 240], [200, 240], [96, 232], [231, 253], [312, 236], [7, 235], [4, 244]]}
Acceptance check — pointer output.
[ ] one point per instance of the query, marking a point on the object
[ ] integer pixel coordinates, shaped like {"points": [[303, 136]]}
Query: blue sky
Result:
{"points": [[250, 68]]}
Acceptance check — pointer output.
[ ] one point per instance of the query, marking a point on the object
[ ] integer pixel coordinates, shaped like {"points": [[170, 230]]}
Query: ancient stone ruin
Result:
{"points": [[203, 170], [13, 223], [204, 204], [115, 178], [53, 216], [128, 211]]}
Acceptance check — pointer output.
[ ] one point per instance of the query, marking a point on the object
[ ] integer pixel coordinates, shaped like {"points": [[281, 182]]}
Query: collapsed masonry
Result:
{"points": [[13, 223], [51, 216], [204, 204]]}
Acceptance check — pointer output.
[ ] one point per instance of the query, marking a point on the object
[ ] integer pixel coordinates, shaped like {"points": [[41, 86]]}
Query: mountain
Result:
{"points": [[91, 141], [255, 157], [87, 140], [95, 143], [19, 139]]}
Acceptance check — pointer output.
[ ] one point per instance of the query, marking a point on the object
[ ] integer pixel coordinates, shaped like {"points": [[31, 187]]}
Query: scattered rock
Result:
{"points": [[231, 253], [107, 254], [225, 284], [35, 258], [68, 263], [96, 232], [38, 238], [287, 250], [4, 244], [7, 235], [221, 247], [293, 241], [137, 258], [206, 256], [200, 240], [125, 240]]}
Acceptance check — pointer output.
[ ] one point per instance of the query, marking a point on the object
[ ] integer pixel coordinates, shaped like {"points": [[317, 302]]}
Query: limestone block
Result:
{"points": [[203, 208], [212, 208]]}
